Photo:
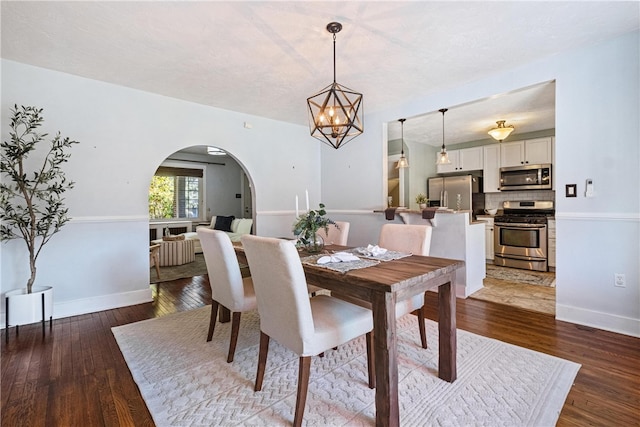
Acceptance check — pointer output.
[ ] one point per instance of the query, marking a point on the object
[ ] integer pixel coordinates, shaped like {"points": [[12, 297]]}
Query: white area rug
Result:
{"points": [[186, 381]]}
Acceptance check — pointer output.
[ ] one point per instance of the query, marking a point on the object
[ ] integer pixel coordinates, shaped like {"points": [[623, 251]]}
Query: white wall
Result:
{"points": [[99, 260], [597, 137]]}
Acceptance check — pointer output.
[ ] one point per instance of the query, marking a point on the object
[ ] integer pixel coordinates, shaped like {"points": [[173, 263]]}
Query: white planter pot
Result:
{"points": [[24, 308]]}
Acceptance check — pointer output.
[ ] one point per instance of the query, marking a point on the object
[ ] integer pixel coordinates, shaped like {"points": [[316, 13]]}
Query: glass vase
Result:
{"points": [[314, 244]]}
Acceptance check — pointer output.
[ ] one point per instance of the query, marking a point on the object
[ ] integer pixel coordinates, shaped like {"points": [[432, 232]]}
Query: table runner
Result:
{"points": [[341, 267], [387, 256]]}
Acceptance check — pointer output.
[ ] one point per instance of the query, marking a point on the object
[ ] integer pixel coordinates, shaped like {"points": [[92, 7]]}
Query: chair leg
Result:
{"points": [[371, 367], [212, 321], [156, 261], [421, 327], [262, 360], [303, 385], [235, 328]]}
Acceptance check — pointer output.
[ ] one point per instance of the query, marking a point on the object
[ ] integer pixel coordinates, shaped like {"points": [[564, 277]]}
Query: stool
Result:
{"points": [[176, 252]]}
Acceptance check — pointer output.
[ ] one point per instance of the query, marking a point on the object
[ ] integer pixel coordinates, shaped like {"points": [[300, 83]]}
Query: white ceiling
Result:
{"points": [[266, 57]]}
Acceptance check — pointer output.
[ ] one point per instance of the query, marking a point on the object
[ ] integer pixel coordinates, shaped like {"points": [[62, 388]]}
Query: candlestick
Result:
{"points": [[297, 213], [307, 196]]}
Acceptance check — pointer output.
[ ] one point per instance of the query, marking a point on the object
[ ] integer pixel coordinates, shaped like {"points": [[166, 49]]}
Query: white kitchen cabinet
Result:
{"points": [[466, 159], [488, 240], [527, 152], [551, 244], [491, 168]]}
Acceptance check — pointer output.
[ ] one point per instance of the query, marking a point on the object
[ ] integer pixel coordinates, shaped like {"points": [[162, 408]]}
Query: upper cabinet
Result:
{"points": [[528, 152], [467, 159], [491, 169]]}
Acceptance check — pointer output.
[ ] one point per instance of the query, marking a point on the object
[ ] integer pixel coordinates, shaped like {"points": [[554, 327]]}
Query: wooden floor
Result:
{"points": [[76, 375]]}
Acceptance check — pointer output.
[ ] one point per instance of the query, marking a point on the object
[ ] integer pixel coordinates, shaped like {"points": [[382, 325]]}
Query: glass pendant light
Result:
{"points": [[403, 162], [443, 157]]}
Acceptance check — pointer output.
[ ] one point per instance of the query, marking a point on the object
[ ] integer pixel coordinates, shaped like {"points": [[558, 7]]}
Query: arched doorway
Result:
{"points": [[195, 184]]}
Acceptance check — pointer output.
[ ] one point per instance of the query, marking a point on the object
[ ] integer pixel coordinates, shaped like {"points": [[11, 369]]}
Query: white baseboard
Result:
{"points": [[91, 305], [595, 319]]}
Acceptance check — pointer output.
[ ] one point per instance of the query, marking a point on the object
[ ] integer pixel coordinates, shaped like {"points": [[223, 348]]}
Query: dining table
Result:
{"points": [[382, 284]]}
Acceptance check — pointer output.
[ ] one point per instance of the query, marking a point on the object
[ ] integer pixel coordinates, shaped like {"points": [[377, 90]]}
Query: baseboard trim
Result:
{"points": [[598, 320], [91, 305]]}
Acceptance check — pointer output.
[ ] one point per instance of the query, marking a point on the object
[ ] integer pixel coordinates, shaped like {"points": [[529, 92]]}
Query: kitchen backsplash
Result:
{"points": [[494, 200]]}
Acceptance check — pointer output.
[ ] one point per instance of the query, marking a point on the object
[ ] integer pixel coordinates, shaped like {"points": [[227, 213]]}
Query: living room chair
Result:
{"points": [[414, 239], [336, 235], [228, 287], [306, 326], [154, 258]]}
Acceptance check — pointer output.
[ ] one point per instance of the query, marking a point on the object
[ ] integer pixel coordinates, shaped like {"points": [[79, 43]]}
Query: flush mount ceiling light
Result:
{"points": [[403, 162], [443, 157], [501, 132], [335, 113], [213, 151]]}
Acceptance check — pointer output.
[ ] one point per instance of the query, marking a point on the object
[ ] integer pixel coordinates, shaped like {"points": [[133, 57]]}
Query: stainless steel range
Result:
{"points": [[520, 235]]}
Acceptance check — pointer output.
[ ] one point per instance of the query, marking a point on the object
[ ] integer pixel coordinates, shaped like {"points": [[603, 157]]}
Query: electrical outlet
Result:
{"points": [[620, 280]]}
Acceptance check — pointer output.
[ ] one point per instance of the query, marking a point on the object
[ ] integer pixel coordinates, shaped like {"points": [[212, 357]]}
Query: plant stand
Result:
{"points": [[45, 301]]}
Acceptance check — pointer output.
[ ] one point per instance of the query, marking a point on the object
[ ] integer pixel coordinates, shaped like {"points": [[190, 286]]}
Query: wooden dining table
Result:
{"points": [[382, 285]]}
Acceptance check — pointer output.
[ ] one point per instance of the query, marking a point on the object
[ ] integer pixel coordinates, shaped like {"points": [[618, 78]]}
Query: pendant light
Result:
{"points": [[443, 157], [501, 132], [403, 162], [335, 113]]}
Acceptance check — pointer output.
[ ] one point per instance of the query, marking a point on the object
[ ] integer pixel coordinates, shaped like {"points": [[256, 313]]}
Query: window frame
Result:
{"points": [[202, 190]]}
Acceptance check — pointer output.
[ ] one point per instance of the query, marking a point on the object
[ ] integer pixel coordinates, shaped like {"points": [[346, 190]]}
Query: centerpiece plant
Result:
{"points": [[31, 193], [307, 226]]}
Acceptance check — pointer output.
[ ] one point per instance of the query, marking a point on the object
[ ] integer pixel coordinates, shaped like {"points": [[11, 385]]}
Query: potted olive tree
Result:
{"points": [[31, 204]]}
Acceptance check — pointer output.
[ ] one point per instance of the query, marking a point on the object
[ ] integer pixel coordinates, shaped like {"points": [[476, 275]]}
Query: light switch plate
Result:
{"points": [[571, 190]]}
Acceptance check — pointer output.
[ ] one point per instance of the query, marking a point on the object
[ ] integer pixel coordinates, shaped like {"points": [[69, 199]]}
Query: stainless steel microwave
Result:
{"points": [[526, 177]]}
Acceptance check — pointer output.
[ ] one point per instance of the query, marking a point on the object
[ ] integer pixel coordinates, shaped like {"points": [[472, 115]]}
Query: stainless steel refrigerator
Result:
{"points": [[444, 191]]}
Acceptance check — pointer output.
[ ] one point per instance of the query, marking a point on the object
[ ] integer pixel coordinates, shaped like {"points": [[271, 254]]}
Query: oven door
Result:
{"points": [[521, 241]]}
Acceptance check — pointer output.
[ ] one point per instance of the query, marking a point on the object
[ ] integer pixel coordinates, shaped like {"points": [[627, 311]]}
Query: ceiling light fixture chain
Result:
{"points": [[334, 28], [335, 113]]}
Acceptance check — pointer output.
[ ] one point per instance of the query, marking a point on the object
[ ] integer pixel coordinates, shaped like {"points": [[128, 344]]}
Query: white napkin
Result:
{"points": [[373, 250], [337, 257]]}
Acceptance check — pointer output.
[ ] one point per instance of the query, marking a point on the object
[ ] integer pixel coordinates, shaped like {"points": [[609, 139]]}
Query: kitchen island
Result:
{"points": [[455, 236]]}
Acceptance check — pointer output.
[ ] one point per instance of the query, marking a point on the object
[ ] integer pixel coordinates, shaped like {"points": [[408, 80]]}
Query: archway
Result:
{"points": [[206, 182]]}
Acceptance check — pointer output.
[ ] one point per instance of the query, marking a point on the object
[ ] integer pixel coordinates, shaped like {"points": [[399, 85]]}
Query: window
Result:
{"points": [[176, 193]]}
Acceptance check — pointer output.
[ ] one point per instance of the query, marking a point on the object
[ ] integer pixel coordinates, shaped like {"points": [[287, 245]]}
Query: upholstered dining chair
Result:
{"points": [[408, 238], [337, 234], [415, 239], [228, 287], [306, 326]]}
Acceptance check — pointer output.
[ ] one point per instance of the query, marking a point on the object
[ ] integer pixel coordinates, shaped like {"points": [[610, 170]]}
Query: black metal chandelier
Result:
{"points": [[335, 113]]}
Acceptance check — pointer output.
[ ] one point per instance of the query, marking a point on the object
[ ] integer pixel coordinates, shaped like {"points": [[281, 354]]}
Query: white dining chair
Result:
{"points": [[336, 234], [414, 239], [228, 287], [306, 326]]}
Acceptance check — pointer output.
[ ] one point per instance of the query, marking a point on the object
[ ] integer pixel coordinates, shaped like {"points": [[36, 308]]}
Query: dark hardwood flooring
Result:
{"points": [[76, 375]]}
